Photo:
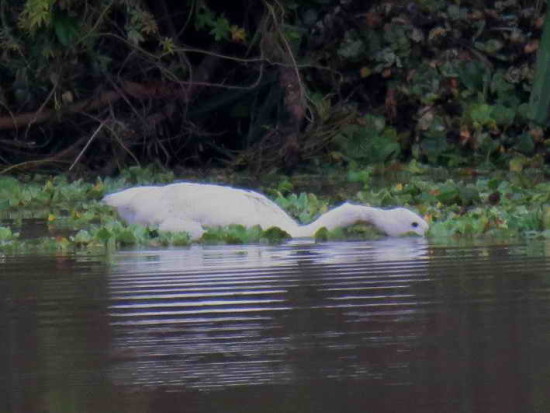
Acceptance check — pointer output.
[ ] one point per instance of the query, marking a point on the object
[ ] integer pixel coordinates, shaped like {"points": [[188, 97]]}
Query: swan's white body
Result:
{"points": [[191, 207]]}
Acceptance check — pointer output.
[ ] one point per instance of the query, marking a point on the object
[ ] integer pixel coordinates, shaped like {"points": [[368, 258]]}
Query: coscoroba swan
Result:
{"points": [[191, 207]]}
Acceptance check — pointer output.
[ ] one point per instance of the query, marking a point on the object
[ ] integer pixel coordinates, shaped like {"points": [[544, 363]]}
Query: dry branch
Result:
{"points": [[132, 89]]}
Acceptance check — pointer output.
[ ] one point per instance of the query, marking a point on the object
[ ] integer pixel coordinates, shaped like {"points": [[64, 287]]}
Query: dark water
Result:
{"points": [[386, 326]]}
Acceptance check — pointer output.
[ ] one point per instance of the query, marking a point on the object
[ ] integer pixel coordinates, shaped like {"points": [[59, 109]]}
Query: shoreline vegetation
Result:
{"points": [[420, 103], [463, 204], [256, 85]]}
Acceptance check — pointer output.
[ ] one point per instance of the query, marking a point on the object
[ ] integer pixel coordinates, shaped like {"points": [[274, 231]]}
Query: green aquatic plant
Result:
{"points": [[6, 234], [175, 239], [304, 207], [497, 205], [238, 234], [355, 232]]}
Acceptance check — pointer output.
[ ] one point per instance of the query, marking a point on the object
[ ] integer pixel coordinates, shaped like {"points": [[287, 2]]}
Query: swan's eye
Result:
{"points": [[414, 224]]}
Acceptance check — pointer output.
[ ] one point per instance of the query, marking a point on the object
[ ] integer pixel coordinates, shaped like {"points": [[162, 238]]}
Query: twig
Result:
{"points": [[41, 108], [29, 163], [54, 158], [136, 90], [293, 62], [181, 49], [115, 136], [86, 146]]}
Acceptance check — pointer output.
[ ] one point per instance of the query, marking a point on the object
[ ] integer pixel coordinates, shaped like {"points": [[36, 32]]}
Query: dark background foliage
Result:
{"points": [[262, 84]]}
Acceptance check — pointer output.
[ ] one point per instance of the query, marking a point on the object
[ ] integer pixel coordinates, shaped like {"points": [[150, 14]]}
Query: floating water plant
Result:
{"points": [[498, 205]]}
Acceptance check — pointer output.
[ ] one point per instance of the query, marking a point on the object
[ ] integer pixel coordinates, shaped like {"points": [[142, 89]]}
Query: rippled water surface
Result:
{"points": [[382, 326]]}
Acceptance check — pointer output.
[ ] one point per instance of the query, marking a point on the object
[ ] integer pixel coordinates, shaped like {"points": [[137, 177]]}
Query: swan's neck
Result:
{"points": [[342, 216]]}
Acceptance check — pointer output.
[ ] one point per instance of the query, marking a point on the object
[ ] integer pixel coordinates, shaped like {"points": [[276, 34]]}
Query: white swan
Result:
{"points": [[190, 207]]}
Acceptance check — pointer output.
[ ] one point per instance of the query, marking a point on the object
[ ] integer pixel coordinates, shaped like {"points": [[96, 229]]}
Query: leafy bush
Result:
{"points": [[434, 81]]}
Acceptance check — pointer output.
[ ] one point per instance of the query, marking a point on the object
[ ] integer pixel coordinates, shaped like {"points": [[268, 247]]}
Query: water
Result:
{"points": [[383, 326]]}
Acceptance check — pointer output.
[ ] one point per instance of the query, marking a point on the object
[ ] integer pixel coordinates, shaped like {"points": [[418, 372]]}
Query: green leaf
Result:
{"points": [[103, 235], [371, 143], [65, 27], [322, 235], [127, 237], [469, 195], [221, 29], [351, 47], [433, 146], [205, 18], [36, 14], [525, 144], [181, 239], [491, 46], [472, 74], [448, 194], [275, 235], [503, 116], [6, 234], [135, 37], [82, 237]]}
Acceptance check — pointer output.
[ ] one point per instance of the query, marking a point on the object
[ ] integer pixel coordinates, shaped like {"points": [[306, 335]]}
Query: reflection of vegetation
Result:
{"points": [[502, 206]]}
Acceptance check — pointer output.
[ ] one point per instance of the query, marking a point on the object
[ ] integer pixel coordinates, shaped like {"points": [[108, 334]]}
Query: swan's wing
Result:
{"points": [[217, 205], [268, 212], [205, 204]]}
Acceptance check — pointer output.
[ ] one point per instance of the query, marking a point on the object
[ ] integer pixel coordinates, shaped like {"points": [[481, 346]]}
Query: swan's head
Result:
{"points": [[400, 221]]}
